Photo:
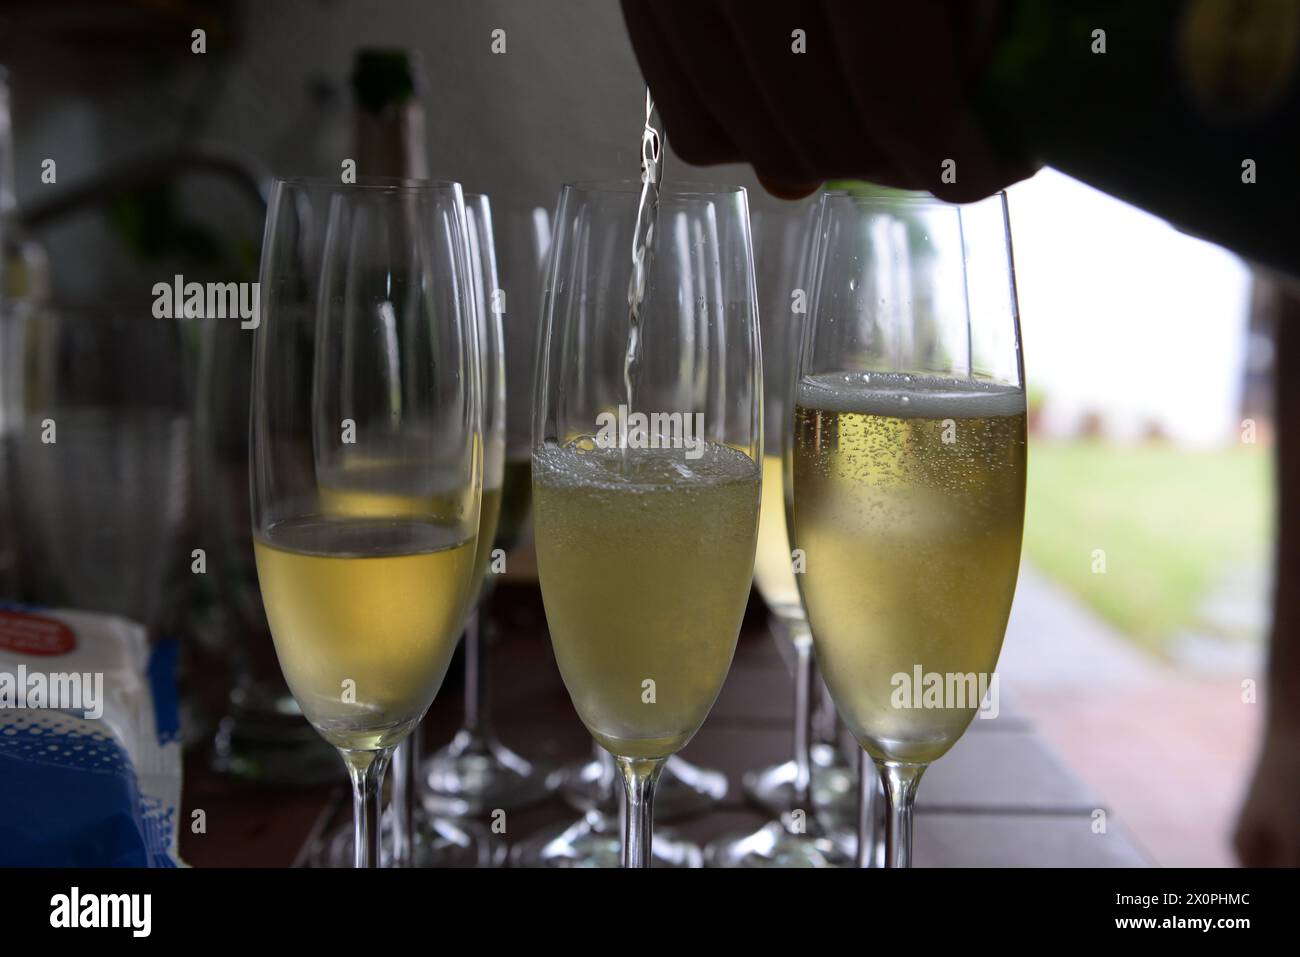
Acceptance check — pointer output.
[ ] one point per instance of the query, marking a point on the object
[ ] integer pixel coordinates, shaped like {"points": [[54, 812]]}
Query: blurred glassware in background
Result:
{"points": [[595, 839], [476, 774], [523, 238], [684, 789], [24, 283], [12, 325], [102, 456], [24, 267], [847, 806], [782, 248], [833, 776]]}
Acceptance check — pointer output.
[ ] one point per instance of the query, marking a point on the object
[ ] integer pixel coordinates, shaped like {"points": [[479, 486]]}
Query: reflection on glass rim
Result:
{"points": [[377, 184], [665, 189]]}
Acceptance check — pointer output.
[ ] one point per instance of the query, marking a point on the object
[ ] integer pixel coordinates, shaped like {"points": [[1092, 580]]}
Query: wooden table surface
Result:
{"points": [[999, 798]]}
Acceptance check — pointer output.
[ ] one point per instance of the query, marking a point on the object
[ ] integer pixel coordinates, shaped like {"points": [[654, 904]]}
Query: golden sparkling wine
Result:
{"points": [[645, 563], [372, 488], [362, 486], [909, 497], [365, 614], [489, 514], [773, 564], [516, 496]]}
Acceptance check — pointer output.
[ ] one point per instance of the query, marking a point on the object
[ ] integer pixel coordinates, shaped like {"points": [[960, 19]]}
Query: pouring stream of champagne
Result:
{"points": [[643, 237]]}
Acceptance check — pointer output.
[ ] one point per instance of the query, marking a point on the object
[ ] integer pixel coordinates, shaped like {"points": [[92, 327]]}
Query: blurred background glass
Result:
{"points": [[101, 464]]}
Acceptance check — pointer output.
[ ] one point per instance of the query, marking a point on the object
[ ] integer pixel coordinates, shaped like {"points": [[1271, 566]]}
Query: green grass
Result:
{"points": [[1170, 521]]}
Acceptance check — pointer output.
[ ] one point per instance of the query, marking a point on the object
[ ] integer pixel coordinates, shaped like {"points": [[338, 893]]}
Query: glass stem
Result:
{"points": [[607, 794], [803, 717], [475, 678], [871, 822], [900, 781], [826, 719], [639, 777], [366, 768], [406, 761]]}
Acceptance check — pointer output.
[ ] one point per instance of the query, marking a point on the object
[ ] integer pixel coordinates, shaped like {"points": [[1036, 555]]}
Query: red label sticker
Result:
{"points": [[34, 635]]}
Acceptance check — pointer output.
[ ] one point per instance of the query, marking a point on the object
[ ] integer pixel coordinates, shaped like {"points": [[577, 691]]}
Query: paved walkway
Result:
{"points": [[1169, 749]]}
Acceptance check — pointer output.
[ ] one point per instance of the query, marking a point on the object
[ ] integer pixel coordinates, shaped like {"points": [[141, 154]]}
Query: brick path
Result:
{"points": [[1169, 750]]}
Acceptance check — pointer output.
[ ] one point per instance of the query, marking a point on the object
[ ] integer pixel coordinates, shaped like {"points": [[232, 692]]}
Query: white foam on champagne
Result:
{"points": [[640, 470], [902, 396]]}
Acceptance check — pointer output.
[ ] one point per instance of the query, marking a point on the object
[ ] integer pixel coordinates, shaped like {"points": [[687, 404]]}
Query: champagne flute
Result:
{"points": [[795, 838], [367, 460], [426, 823], [646, 479], [476, 773], [909, 473], [593, 839]]}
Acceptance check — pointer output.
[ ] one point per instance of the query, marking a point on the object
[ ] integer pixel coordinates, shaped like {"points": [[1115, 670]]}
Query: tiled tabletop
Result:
{"points": [[999, 798]]}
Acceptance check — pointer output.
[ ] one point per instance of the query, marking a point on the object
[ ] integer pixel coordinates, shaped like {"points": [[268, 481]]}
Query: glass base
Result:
{"points": [[594, 841], [686, 790], [476, 775], [683, 790], [271, 742], [842, 829], [846, 842], [773, 845], [834, 788], [439, 842]]}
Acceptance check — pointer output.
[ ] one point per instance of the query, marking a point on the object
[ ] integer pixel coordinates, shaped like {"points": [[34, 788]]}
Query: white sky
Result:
{"points": [[1125, 316]]}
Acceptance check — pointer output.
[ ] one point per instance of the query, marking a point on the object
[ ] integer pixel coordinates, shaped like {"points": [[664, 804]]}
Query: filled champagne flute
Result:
{"points": [[366, 459], [647, 445], [909, 473], [795, 837], [428, 821]]}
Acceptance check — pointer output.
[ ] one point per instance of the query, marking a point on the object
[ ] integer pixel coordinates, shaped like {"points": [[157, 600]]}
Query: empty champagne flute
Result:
{"points": [[476, 773], [909, 473], [646, 478], [367, 460], [432, 801]]}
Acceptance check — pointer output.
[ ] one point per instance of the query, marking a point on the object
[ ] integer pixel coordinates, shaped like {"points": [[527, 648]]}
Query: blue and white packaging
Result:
{"points": [[90, 757]]}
